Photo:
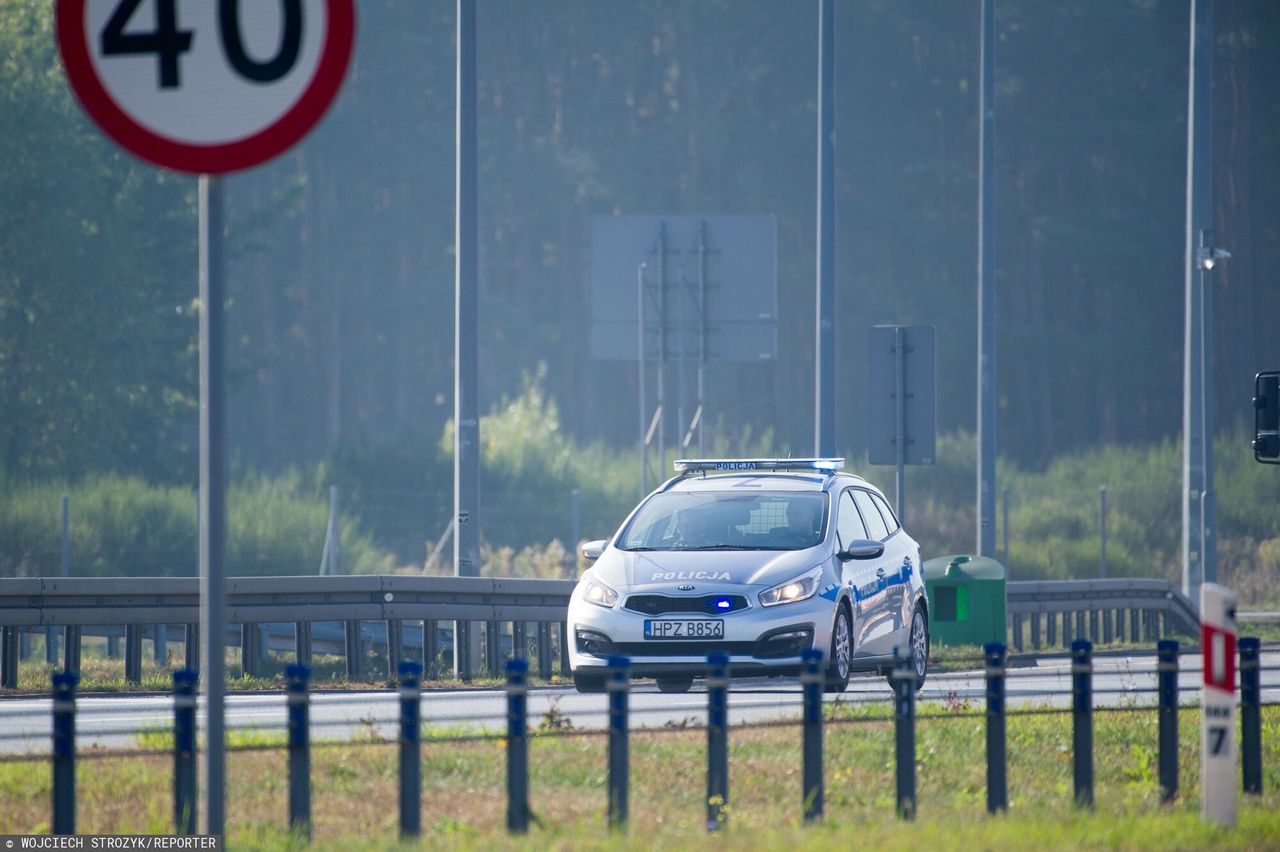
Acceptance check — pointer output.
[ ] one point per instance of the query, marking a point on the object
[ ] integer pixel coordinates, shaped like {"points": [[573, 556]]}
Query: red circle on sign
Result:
{"points": [[252, 150]]}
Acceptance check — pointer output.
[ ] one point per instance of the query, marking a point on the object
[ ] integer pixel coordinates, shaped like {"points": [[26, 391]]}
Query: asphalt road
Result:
{"points": [[114, 721]]}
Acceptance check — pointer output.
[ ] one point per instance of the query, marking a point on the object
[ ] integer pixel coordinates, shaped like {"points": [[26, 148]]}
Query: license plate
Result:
{"points": [[670, 628]]}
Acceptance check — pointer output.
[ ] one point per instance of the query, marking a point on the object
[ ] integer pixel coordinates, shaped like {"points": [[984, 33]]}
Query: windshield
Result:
{"points": [[785, 520]]}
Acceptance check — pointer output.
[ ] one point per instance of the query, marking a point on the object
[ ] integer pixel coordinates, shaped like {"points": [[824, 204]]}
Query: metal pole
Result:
{"points": [[213, 497], [517, 747], [184, 751], [299, 702], [64, 752], [1082, 716], [811, 683], [904, 687], [717, 741], [825, 355], [1167, 689], [900, 415], [1102, 531], [987, 287], [662, 348], [619, 685], [997, 756], [466, 410], [1250, 715], [575, 518], [410, 749], [51, 633], [640, 376], [1198, 563], [702, 328], [1004, 525]]}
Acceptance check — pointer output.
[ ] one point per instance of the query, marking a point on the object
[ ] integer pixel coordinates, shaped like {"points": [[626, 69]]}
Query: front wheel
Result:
{"points": [[677, 684], [841, 657]]}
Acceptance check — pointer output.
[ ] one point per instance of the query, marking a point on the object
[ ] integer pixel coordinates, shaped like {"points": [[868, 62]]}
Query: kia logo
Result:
{"points": [[685, 588]]}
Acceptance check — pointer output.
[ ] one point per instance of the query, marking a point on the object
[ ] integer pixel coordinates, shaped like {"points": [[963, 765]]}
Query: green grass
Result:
{"points": [[354, 789]]}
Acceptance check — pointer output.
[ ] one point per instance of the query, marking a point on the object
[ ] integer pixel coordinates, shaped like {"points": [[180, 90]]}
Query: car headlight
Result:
{"points": [[801, 588], [593, 591]]}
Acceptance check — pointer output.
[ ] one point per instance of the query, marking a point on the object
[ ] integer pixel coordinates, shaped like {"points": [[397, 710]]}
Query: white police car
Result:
{"points": [[758, 558]]}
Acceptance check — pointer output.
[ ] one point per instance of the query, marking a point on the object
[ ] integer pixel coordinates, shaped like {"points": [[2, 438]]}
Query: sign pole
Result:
{"points": [[1218, 713], [213, 498]]}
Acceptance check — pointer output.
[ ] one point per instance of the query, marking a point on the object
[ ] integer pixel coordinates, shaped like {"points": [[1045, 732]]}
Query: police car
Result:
{"points": [[758, 558]]}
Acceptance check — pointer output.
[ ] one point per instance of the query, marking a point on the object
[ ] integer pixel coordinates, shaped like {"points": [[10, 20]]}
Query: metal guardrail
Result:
{"points": [[1095, 609]]}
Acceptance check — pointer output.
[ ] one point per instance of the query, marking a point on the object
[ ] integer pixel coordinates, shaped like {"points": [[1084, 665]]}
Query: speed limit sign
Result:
{"points": [[206, 86]]}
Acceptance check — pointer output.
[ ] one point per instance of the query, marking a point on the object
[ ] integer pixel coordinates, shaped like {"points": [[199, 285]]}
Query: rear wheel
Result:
{"points": [[841, 654], [918, 640], [674, 684], [588, 682]]}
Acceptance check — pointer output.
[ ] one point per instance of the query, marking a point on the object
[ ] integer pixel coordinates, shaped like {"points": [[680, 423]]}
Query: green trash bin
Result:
{"points": [[966, 600]]}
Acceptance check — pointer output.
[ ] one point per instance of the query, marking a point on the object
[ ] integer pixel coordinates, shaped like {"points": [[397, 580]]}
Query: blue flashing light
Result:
{"points": [[734, 465]]}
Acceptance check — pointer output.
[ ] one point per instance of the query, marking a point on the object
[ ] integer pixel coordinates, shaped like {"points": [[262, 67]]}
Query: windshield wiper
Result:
{"points": [[722, 547]]}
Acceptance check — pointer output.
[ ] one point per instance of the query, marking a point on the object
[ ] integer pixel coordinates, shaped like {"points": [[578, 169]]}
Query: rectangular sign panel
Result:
{"points": [[919, 380]]}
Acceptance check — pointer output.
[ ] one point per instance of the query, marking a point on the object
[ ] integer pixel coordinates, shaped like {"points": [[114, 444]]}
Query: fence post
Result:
{"points": [[493, 648], [395, 647], [544, 650], [519, 640], [811, 683], [160, 644], [1250, 715], [1167, 689], [619, 684], [410, 749], [64, 752], [904, 687], [430, 649], [51, 645], [717, 740], [190, 644], [133, 653], [184, 751], [1035, 630], [997, 755], [1017, 632], [296, 677], [517, 746], [1082, 713], [354, 648], [302, 643], [1051, 628], [9, 657]]}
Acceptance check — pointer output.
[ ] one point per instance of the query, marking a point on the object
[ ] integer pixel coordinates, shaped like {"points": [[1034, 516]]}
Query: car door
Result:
{"points": [[898, 554], [879, 631]]}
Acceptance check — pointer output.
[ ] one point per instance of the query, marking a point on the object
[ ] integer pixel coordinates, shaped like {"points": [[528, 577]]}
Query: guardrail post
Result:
{"points": [[1135, 628], [302, 643], [544, 650], [619, 685], [1082, 719], [1167, 689], [904, 713], [51, 645], [1106, 626], [493, 648], [113, 646], [1250, 715], [299, 700], [184, 751], [1068, 636], [190, 645], [64, 752], [519, 640], [249, 650], [463, 666], [430, 649], [395, 646], [24, 644], [517, 747], [811, 683], [9, 657], [1093, 625], [565, 671], [1035, 630], [997, 757], [717, 740], [160, 644], [410, 749], [1017, 631], [133, 653], [1051, 628], [354, 646]]}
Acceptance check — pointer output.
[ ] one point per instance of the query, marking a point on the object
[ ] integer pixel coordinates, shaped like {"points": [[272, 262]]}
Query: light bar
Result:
{"points": [[728, 465]]}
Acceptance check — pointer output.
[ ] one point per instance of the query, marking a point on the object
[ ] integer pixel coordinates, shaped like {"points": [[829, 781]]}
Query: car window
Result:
{"points": [[849, 526], [890, 519], [728, 521], [870, 515]]}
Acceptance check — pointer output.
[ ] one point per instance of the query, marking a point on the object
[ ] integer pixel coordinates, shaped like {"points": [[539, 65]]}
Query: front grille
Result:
{"points": [[704, 605]]}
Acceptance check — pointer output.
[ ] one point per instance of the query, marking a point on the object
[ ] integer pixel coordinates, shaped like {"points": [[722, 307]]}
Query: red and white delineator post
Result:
{"points": [[1218, 705]]}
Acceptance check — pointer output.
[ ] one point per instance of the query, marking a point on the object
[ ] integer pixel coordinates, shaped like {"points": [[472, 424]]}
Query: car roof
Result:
{"points": [[763, 480]]}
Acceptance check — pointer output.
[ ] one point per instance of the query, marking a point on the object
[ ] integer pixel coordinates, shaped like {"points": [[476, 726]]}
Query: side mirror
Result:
{"points": [[861, 548], [591, 550]]}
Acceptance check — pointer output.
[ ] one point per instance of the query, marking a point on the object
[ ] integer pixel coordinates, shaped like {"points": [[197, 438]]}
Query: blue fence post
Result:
{"points": [[997, 755], [1167, 691], [904, 687], [410, 749], [296, 678], [717, 740], [184, 751], [64, 752], [811, 684], [619, 684], [1250, 715], [1082, 718], [517, 746]]}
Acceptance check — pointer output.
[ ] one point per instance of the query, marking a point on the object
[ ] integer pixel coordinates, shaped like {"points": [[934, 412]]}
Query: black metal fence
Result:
{"points": [[516, 732]]}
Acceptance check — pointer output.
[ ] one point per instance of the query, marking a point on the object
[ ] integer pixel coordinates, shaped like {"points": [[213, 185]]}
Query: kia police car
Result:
{"points": [[758, 558]]}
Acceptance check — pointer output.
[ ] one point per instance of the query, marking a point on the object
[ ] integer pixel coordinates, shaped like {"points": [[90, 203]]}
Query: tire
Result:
{"points": [[918, 639], [676, 684], [840, 654], [588, 682]]}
